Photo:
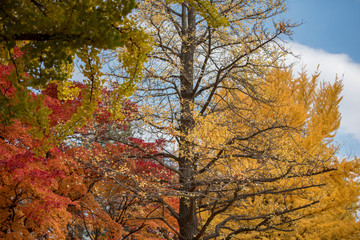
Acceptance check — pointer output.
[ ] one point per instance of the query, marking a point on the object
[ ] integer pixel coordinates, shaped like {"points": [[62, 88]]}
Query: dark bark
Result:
{"points": [[187, 215]]}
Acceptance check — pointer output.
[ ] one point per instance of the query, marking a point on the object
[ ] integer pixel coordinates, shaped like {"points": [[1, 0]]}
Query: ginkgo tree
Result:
{"points": [[336, 214], [326, 204], [236, 147]]}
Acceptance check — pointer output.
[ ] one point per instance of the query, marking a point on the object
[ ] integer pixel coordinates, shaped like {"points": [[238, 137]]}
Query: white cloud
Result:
{"points": [[330, 66]]}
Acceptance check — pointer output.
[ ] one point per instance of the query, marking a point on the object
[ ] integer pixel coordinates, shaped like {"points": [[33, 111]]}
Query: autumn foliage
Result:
{"points": [[220, 140], [68, 190]]}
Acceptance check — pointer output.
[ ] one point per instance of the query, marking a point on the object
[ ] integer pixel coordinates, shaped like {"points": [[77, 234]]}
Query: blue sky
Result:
{"points": [[330, 36], [332, 25]]}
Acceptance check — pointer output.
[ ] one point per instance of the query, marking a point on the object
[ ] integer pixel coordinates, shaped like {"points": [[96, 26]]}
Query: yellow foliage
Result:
{"points": [[293, 124]]}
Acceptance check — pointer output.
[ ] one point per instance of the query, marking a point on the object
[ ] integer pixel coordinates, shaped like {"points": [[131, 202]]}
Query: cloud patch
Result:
{"points": [[332, 66]]}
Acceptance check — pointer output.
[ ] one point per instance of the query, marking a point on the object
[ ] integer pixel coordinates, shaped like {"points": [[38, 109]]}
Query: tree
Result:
{"points": [[115, 173], [52, 33], [335, 216], [33, 201], [232, 140], [312, 109], [69, 193], [239, 148]]}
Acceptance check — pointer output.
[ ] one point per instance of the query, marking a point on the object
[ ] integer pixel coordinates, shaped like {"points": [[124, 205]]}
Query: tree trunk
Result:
{"points": [[187, 213]]}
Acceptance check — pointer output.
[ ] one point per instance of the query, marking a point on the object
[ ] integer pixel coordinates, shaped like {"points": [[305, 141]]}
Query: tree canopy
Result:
{"points": [[52, 34], [184, 124]]}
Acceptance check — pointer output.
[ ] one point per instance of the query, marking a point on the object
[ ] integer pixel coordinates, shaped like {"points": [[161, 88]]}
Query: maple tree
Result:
{"points": [[33, 204], [60, 194], [116, 173]]}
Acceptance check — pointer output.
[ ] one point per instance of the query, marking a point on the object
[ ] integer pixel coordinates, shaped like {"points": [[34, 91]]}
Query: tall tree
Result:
{"points": [[199, 72], [311, 110]]}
